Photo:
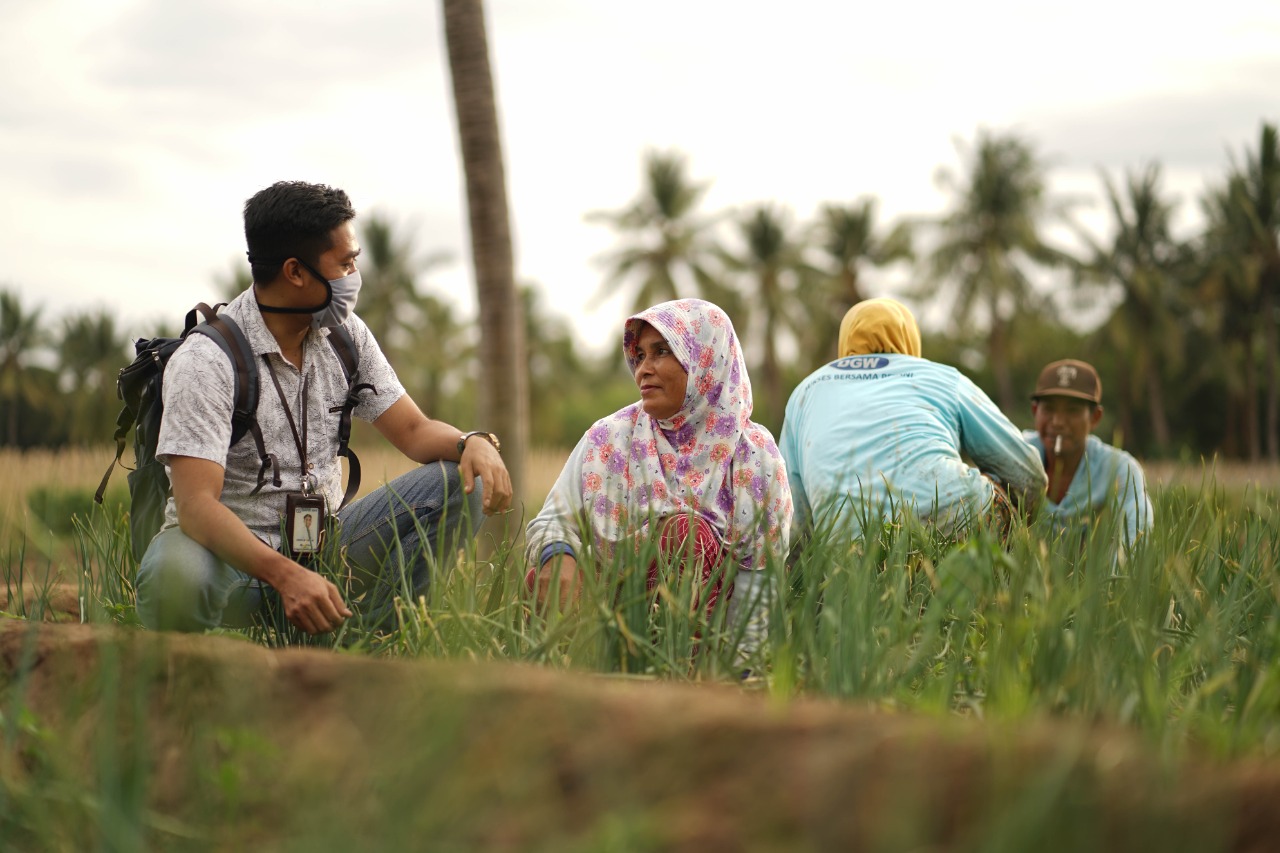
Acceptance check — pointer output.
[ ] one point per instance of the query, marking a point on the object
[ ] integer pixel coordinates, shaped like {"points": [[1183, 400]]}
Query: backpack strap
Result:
{"points": [[124, 423], [344, 346], [226, 333], [202, 309]]}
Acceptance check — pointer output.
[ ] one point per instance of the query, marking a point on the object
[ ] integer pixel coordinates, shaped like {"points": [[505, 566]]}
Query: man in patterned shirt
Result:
{"points": [[220, 553]]}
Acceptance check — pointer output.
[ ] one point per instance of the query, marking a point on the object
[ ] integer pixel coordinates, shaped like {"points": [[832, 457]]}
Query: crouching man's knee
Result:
{"points": [[182, 586]]}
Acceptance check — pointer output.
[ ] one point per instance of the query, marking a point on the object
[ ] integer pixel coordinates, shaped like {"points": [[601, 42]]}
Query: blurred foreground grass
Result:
{"points": [[1178, 644]]}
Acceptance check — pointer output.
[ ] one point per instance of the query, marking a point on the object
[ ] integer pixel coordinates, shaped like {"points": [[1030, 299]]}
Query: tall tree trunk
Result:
{"points": [[852, 291], [504, 383], [1251, 400], [1230, 428], [998, 354], [1155, 399], [1266, 316], [1126, 407], [774, 394]]}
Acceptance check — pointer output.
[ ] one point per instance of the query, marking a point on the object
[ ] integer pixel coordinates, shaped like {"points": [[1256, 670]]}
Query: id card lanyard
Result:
{"points": [[299, 438]]}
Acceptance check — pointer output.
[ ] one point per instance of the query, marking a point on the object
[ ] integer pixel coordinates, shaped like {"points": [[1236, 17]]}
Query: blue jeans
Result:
{"points": [[182, 586]]}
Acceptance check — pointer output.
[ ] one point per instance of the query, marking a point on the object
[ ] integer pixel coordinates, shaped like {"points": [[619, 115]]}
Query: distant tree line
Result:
{"points": [[1185, 334]]}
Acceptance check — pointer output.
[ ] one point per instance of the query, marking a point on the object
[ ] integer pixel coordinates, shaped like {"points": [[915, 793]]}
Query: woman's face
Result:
{"points": [[661, 379]]}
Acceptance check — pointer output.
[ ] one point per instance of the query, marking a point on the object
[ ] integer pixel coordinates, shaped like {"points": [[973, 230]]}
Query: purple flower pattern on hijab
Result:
{"points": [[709, 458]]}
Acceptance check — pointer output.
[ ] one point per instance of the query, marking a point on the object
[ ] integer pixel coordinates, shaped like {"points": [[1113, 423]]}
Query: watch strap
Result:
{"points": [[487, 436]]}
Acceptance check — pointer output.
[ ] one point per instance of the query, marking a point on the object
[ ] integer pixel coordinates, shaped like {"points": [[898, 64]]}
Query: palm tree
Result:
{"points": [[1228, 299], [390, 302], [991, 239], [847, 237], [772, 261], [20, 336], [1148, 265], [504, 384], [667, 245], [91, 351], [1243, 285], [1254, 188], [437, 360]]}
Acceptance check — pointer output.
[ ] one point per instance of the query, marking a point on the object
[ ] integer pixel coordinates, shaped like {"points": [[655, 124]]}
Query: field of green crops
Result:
{"points": [[1175, 643]]}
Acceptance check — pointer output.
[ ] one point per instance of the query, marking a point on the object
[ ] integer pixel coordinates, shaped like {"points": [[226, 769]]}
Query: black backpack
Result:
{"points": [[140, 387]]}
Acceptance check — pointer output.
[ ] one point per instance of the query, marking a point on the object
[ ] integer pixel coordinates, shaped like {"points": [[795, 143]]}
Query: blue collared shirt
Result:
{"points": [[1105, 474]]}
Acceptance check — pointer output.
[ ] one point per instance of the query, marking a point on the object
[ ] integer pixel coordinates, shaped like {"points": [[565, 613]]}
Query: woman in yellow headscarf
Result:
{"points": [[881, 429], [880, 325]]}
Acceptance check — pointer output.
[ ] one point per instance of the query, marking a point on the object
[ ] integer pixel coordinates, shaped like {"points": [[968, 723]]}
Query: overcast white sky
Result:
{"points": [[132, 131]]}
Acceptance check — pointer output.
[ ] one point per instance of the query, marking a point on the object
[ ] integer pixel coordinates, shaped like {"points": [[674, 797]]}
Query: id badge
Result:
{"points": [[305, 518]]}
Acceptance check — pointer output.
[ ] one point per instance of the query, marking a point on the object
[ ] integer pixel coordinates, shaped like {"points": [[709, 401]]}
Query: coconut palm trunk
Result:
{"points": [[1271, 352], [503, 393], [998, 356], [1252, 440], [1125, 399], [775, 395], [1155, 399]]}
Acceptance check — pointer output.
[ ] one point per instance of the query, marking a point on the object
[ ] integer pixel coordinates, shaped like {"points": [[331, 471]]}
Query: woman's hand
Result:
{"points": [[562, 574]]}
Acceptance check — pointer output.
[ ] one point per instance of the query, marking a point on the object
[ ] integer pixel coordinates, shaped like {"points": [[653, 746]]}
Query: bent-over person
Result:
{"points": [[880, 431]]}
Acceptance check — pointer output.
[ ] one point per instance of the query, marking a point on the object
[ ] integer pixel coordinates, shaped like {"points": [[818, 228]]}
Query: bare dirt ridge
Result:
{"points": [[239, 744]]}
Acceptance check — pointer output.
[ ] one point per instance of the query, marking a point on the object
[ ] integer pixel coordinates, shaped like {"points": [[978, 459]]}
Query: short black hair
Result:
{"points": [[292, 219]]}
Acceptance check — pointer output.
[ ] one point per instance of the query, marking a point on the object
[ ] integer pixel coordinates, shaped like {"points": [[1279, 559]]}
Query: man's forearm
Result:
{"points": [[433, 441], [213, 525], [415, 435]]}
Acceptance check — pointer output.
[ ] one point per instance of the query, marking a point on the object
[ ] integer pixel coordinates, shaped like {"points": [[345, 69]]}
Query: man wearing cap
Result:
{"points": [[1085, 475]]}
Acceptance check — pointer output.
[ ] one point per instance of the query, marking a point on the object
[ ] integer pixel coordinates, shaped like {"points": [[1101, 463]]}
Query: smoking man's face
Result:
{"points": [[1067, 418]]}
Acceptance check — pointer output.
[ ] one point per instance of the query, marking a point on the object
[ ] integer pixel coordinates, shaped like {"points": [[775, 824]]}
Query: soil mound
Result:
{"points": [[213, 742], [50, 602]]}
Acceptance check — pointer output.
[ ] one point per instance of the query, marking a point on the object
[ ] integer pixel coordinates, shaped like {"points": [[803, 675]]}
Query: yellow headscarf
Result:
{"points": [[878, 326]]}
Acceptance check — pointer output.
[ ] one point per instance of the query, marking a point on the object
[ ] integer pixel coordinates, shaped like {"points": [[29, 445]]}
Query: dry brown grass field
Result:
{"points": [[82, 469]]}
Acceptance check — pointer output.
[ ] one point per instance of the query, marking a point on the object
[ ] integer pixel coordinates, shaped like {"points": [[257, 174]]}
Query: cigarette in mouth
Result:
{"points": [[1057, 445]]}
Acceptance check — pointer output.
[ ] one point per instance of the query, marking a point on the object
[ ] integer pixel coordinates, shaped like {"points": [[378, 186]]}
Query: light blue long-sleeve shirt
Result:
{"points": [[872, 434], [1105, 474]]}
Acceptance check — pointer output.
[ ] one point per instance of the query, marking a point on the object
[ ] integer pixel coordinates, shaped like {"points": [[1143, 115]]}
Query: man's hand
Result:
{"points": [[311, 602], [481, 459]]}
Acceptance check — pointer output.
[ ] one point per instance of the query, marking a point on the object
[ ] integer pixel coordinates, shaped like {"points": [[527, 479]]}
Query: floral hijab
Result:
{"points": [[709, 458]]}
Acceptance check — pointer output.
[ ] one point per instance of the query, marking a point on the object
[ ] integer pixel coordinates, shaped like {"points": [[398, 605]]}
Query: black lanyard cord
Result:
{"points": [[299, 439]]}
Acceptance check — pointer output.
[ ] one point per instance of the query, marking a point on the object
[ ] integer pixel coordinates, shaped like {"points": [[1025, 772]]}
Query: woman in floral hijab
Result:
{"points": [[687, 450]]}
